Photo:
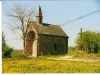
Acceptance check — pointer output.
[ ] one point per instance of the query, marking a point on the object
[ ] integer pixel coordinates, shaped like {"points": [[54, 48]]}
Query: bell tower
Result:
{"points": [[39, 16]]}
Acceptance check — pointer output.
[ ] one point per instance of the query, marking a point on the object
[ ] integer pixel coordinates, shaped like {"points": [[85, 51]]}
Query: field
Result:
{"points": [[43, 65]]}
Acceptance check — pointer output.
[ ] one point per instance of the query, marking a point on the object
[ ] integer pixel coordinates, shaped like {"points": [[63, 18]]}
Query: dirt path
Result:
{"points": [[70, 58]]}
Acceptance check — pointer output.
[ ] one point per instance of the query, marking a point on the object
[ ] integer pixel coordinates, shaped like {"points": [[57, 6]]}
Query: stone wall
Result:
{"points": [[52, 45], [31, 44]]}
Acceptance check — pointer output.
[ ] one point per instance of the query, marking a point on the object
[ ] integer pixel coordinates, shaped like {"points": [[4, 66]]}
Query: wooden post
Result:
{"points": [[81, 32], [81, 38]]}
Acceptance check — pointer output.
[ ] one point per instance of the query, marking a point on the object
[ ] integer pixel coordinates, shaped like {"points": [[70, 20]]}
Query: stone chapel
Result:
{"points": [[45, 39]]}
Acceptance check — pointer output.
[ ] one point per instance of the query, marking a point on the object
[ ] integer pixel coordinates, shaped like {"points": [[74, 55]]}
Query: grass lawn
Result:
{"points": [[41, 65], [21, 64]]}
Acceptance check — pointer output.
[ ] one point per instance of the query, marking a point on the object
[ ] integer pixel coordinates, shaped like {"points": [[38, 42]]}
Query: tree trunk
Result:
{"points": [[24, 46]]}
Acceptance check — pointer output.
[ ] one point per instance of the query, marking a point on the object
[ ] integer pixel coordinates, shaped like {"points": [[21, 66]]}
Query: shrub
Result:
{"points": [[89, 41], [7, 53], [6, 50]]}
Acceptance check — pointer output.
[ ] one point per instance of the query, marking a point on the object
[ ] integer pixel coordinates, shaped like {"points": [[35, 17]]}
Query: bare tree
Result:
{"points": [[20, 17]]}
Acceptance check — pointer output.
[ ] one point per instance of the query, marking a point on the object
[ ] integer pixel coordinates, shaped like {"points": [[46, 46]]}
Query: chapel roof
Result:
{"points": [[48, 29]]}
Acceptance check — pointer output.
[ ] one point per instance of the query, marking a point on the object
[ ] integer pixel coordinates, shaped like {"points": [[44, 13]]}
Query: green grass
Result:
{"points": [[17, 53], [42, 65], [82, 54], [22, 64]]}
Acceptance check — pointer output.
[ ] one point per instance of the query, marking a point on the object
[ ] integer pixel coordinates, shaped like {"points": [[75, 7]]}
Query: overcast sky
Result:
{"points": [[57, 12]]}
